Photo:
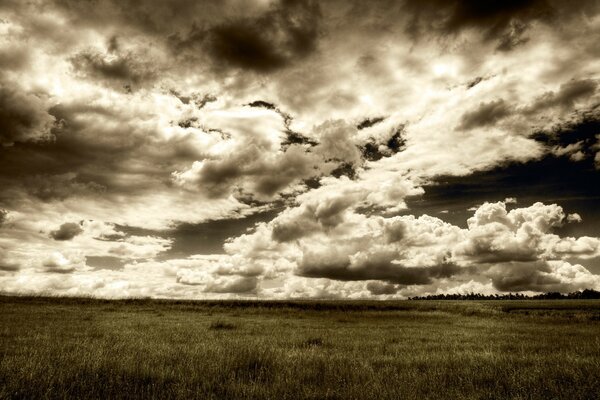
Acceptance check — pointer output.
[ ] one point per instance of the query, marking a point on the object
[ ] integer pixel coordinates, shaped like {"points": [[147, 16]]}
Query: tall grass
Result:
{"points": [[157, 349]]}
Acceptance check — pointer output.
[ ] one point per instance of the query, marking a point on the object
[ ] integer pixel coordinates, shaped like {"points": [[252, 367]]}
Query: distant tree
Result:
{"points": [[587, 294]]}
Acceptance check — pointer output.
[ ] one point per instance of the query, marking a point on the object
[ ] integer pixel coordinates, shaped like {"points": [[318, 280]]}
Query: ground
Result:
{"points": [[95, 349]]}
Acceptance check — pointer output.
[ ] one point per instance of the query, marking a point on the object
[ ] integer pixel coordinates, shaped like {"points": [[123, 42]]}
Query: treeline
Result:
{"points": [[587, 294]]}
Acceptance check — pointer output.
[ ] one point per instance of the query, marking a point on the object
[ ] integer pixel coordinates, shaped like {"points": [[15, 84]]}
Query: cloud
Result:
{"points": [[217, 178], [215, 274], [566, 96], [7, 262], [3, 216], [541, 276], [491, 20], [358, 268], [138, 247], [288, 31], [485, 114], [237, 285], [24, 116], [57, 262], [521, 235], [516, 249], [66, 231], [60, 187], [344, 125], [502, 22], [126, 71], [379, 288]]}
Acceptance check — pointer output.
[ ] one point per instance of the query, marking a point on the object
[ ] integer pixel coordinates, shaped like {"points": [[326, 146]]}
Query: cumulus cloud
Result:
{"points": [[341, 126], [517, 249], [66, 231], [57, 262], [271, 174], [541, 276]]}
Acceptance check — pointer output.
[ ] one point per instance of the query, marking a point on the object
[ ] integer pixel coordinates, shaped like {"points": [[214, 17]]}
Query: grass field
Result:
{"points": [[94, 349]]}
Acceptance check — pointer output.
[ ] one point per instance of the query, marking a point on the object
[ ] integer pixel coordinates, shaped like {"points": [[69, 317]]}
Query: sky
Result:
{"points": [[299, 149]]}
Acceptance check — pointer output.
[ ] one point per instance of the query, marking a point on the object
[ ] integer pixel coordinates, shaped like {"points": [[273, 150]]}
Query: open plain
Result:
{"points": [[100, 349]]}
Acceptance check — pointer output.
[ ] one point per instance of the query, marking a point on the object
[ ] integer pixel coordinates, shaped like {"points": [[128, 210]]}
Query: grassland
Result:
{"points": [[92, 349]]}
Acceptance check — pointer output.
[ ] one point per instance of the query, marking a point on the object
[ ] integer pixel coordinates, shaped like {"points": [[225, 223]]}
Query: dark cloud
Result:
{"points": [[285, 33], [493, 18], [60, 187], [316, 266], [372, 151], [3, 216], [262, 104], [90, 155], [66, 231], [566, 97], [474, 82], [504, 22], [200, 100], [483, 250], [124, 70], [369, 122], [535, 276], [238, 285], [9, 267], [583, 130], [24, 116], [268, 176], [513, 37], [13, 58], [379, 288], [344, 169], [296, 138], [486, 114], [105, 262]]}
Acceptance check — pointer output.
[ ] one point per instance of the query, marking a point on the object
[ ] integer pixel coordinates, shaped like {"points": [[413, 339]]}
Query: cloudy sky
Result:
{"points": [[277, 149]]}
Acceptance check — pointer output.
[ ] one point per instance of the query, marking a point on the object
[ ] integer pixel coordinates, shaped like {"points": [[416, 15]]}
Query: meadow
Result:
{"points": [[57, 348]]}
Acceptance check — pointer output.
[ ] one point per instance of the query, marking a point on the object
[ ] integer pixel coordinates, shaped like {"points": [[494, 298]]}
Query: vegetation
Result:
{"points": [[98, 349], [587, 294]]}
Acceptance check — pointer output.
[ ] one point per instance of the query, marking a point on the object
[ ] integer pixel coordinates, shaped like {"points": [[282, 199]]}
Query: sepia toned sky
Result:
{"points": [[290, 149]]}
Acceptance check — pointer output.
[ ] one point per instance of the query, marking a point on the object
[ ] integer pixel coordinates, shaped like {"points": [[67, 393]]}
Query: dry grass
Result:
{"points": [[82, 348]]}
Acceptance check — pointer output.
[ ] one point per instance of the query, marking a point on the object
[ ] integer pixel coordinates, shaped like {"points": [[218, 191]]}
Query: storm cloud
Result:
{"points": [[286, 32], [24, 116], [295, 148], [66, 231]]}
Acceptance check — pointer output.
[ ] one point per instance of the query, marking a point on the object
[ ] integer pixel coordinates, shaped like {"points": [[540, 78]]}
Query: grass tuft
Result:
{"points": [[312, 342], [222, 326], [253, 365]]}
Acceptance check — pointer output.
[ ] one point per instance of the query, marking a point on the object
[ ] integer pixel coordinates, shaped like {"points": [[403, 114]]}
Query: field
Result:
{"points": [[94, 349]]}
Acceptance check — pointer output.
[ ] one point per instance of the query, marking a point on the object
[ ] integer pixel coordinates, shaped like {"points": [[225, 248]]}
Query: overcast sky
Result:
{"points": [[275, 149]]}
